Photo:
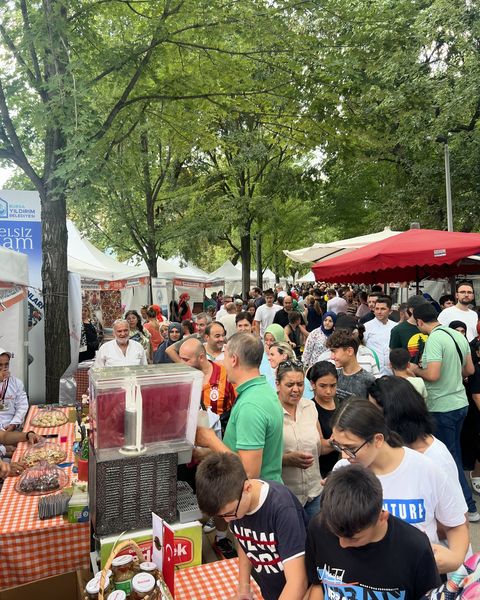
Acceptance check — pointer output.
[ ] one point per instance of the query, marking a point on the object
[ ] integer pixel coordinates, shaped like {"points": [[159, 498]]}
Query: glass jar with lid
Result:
{"points": [[117, 595], [149, 567], [143, 585], [123, 572], [93, 587]]}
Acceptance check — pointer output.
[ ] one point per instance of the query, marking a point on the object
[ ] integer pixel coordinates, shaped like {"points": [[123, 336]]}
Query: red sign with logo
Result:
{"points": [[183, 550]]}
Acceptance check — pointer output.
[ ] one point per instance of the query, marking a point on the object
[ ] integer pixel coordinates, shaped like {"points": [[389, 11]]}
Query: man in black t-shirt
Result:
{"points": [[267, 520], [356, 550]]}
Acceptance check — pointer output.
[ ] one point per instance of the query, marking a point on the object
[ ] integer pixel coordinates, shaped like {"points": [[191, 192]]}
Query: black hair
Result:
{"points": [[208, 328], [457, 324], [377, 289], [384, 300], [426, 313], [320, 369], [362, 418], [351, 500], [151, 314], [139, 319], [404, 408], [187, 324], [399, 358], [243, 316], [445, 298]]}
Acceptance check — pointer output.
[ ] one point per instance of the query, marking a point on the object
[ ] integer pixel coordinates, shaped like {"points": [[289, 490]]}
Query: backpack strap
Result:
{"points": [[457, 348]]}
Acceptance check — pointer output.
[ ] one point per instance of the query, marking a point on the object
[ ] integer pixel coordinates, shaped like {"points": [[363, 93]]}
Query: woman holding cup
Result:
{"points": [[301, 437]]}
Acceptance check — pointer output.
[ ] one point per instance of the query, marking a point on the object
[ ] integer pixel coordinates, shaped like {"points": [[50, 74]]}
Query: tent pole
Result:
{"points": [[417, 281]]}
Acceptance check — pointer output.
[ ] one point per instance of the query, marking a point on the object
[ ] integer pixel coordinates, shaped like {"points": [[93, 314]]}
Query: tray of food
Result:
{"points": [[49, 418], [49, 452], [41, 479]]}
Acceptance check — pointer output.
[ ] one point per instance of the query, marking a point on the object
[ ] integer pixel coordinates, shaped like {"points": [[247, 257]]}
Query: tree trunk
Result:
{"points": [[259, 261], [55, 289], [245, 242]]}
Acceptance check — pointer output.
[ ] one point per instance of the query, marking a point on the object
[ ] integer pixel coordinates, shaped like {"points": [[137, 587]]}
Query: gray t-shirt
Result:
{"points": [[353, 385]]}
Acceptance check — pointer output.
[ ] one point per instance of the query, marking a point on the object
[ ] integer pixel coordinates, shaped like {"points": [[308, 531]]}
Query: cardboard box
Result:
{"points": [[78, 509], [59, 587], [188, 544]]}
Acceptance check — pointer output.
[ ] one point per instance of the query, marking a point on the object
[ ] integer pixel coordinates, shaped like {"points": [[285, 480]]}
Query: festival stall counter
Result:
{"points": [[32, 548], [143, 422]]}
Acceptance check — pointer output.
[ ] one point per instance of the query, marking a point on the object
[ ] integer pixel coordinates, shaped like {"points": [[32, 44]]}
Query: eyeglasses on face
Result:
{"points": [[233, 515], [350, 452]]}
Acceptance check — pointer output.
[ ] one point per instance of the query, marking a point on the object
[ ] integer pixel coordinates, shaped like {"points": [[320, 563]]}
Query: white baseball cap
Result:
{"points": [[3, 351]]}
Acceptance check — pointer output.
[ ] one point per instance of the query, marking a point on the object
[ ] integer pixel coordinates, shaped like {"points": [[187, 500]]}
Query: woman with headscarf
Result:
{"points": [[459, 326], [316, 341], [273, 333], [174, 335], [153, 328], [184, 312], [158, 312]]}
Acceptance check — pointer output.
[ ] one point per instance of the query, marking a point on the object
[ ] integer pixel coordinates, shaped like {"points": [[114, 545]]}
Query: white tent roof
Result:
{"points": [[268, 275], [90, 263], [338, 247], [228, 271], [189, 270], [308, 278], [231, 272], [14, 266]]}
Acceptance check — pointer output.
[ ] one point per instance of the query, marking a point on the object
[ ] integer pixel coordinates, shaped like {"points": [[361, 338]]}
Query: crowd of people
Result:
{"points": [[348, 423]]}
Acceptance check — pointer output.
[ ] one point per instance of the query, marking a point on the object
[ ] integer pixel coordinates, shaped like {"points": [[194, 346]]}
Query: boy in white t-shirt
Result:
{"points": [[265, 313], [400, 364]]}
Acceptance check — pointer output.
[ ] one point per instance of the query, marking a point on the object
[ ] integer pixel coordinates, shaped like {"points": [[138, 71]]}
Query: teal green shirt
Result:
{"points": [[448, 392], [256, 422]]}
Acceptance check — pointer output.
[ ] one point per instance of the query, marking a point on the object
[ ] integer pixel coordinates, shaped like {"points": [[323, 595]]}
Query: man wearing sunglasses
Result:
{"points": [[268, 522]]}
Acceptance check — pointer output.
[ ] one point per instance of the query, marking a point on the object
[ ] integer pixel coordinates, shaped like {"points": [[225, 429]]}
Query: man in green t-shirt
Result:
{"points": [[255, 427], [446, 360]]}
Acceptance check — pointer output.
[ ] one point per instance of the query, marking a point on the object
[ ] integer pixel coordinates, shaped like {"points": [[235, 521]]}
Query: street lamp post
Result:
{"points": [[448, 187]]}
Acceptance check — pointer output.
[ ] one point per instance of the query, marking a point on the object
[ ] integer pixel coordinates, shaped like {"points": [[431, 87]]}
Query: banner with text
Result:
{"points": [[21, 230]]}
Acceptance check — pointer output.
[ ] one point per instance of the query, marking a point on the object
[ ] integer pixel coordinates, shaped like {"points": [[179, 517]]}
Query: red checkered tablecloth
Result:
{"points": [[213, 581], [32, 549]]}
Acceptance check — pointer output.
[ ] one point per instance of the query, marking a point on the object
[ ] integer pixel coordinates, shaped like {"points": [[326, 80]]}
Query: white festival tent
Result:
{"points": [[322, 251], [308, 278], [13, 309], [232, 274], [92, 264]]}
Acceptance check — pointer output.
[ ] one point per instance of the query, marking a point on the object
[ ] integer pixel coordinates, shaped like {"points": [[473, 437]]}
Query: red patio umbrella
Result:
{"points": [[408, 256]]}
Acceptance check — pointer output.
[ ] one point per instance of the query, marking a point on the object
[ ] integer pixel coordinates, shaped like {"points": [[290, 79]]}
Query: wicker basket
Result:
{"points": [[140, 558]]}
